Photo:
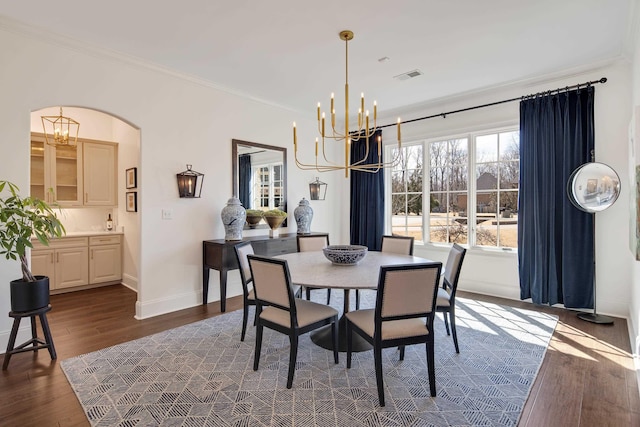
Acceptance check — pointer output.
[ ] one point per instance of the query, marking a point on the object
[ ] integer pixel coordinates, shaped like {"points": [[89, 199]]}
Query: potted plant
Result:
{"points": [[21, 218], [254, 216], [274, 217]]}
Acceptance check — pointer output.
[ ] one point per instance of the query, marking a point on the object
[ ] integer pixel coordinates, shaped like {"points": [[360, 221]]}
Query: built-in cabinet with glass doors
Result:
{"points": [[74, 176]]}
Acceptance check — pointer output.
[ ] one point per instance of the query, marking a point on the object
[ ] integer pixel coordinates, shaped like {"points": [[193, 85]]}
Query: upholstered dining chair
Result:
{"points": [[406, 296], [402, 245], [278, 309], [446, 301], [313, 243], [248, 296]]}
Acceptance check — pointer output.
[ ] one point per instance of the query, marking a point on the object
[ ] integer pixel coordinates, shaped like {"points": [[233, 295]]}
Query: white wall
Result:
{"points": [[181, 121], [634, 105], [128, 139], [496, 273]]}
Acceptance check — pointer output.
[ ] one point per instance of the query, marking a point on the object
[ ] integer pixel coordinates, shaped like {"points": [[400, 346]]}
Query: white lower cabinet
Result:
{"points": [[71, 267], [43, 263], [74, 262], [105, 259]]}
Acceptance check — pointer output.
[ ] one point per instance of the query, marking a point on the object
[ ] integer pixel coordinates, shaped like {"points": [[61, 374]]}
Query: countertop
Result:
{"points": [[90, 233], [86, 234]]}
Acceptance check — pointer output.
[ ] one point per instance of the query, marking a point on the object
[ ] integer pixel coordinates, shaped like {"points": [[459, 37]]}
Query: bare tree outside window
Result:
{"points": [[449, 183], [484, 213], [498, 177], [406, 193]]}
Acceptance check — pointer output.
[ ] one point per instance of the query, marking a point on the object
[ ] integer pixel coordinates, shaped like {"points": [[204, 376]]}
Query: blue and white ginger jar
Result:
{"points": [[303, 215], [233, 217]]}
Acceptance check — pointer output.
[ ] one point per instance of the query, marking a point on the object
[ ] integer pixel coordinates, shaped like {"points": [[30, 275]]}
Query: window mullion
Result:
{"points": [[471, 192], [426, 192]]}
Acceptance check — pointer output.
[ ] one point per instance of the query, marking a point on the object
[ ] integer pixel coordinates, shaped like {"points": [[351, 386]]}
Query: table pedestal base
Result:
{"points": [[322, 338]]}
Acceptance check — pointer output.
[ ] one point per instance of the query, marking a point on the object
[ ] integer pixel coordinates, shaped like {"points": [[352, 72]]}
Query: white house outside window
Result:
{"points": [[467, 193]]}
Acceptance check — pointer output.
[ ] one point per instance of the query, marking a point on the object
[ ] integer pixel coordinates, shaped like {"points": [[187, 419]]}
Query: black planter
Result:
{"points": [[28, 296]]}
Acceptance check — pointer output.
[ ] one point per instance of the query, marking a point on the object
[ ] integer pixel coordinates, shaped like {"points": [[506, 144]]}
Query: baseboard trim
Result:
{"points": [[130, 282], [168, 304]]}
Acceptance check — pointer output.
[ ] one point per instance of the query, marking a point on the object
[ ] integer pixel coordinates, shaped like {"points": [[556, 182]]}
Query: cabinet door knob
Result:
{"points": [[57, 256], [91, 253], [51, 257]]}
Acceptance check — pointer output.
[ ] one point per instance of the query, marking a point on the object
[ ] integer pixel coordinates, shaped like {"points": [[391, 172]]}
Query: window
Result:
{"points": [[471, 187], [268, 185], [406, 194]]}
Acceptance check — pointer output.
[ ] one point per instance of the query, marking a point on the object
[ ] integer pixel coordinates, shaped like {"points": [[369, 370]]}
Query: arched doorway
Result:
{"points": [[83, 216]]}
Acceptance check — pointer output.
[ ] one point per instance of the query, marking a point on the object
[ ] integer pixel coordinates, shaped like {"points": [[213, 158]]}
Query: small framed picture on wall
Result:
{"points": [[131, 178], [132, 201]]}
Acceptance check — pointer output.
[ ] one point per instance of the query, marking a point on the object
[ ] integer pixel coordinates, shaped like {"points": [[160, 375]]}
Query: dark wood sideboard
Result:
{"points": [[220, 255]]}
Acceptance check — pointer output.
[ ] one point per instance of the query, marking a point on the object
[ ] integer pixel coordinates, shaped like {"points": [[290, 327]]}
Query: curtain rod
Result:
{"points": [[546, 92]]}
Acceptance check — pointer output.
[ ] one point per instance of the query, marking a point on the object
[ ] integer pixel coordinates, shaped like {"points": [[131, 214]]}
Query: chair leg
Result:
{"points": [[334, 336], [349, 342], [445, 315], [328, 296], [452, 314], [293, 355], [256, 357], [401, 352], [245, 317], [377, 360], [357, 299], [431, 368]]}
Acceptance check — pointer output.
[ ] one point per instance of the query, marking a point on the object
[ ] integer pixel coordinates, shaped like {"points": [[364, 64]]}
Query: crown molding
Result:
{"points": [[630, 43], [45, 36], [532, 82]]}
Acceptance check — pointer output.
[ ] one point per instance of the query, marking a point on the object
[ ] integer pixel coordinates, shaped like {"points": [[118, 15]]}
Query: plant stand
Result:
{"points": [[36, 342]]}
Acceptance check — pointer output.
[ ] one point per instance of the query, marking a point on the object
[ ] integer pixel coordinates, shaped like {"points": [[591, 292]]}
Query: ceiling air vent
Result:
{"points": [[408, 75]]}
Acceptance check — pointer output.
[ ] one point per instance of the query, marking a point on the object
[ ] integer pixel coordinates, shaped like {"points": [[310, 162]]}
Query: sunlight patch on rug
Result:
{"points": [[201, 374]]}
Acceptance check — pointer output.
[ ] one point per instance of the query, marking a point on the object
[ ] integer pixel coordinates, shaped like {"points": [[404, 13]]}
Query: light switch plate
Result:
{"points": [[167, 214]]}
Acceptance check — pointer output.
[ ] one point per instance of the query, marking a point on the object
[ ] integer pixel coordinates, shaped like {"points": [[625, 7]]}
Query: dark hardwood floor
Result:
{"points": [[587, 377]]}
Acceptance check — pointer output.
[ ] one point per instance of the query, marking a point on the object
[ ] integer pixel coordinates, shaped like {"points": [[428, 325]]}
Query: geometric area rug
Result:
{"points": [[201, 374]]}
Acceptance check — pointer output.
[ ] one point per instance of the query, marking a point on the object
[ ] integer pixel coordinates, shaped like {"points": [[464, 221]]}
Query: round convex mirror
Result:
{"points": [[593, 187]]}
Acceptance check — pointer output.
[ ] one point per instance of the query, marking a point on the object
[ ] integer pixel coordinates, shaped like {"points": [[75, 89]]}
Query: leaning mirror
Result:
{"points": [[260, 176], [593, 187]]}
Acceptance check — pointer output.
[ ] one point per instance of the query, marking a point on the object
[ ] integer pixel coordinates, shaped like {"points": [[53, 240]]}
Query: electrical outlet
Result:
{"points": [[167, 214]]}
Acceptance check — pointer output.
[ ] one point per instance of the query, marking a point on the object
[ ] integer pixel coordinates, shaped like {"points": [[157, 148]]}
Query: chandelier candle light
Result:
{"points": [[364, 131]]}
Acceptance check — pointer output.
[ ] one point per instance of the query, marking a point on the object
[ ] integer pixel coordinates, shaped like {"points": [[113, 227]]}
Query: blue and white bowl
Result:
{"points": [[345, 254]]}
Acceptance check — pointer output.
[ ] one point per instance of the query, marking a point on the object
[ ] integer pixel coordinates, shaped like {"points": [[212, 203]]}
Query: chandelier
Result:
{"points": [[347, 136], [60, 130]]}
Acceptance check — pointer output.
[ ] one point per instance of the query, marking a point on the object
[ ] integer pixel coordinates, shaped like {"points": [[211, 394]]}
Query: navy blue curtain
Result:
{"points": [[367, 197], [244, 180], [555, 239]]}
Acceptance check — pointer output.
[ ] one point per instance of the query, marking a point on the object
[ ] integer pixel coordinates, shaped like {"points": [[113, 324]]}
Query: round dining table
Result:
{"points": [[314, 270]]}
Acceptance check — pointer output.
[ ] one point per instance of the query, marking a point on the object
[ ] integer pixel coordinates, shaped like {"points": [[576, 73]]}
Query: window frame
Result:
{"points": [[257, 185], [471, 192]]}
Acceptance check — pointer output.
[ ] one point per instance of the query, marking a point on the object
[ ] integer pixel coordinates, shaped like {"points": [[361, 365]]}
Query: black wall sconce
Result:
{"points": [[317, 190], [190, 183]]}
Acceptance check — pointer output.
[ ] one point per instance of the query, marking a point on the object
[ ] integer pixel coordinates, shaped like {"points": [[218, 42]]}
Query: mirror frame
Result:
{"points": [[576, 181], [234, 168]]}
